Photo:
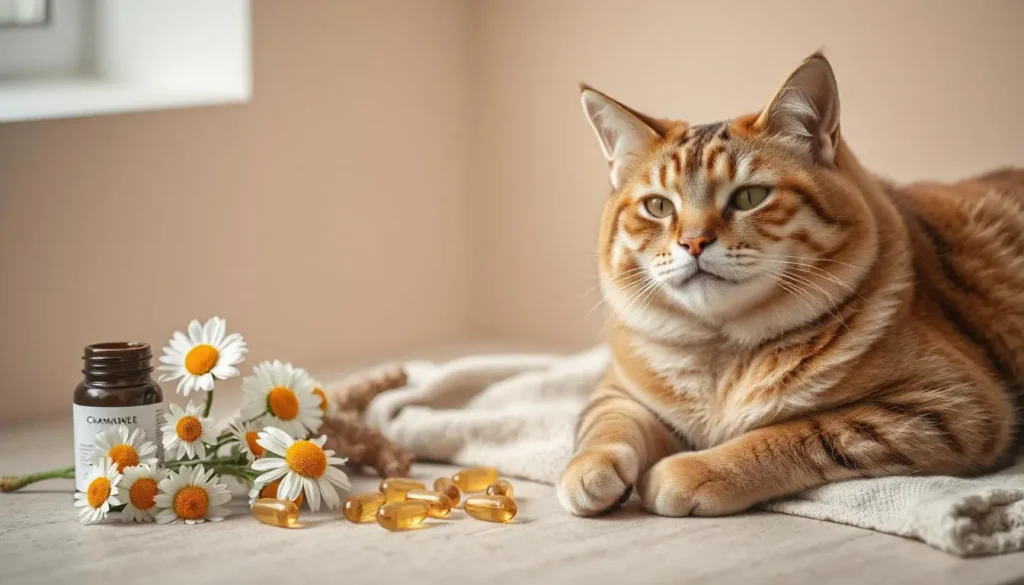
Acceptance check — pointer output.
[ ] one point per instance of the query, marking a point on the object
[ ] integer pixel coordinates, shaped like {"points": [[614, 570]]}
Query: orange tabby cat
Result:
{"points": [[783, 319]]}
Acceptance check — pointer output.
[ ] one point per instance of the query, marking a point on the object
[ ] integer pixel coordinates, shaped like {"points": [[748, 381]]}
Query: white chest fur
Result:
{"points": [[696, 397]]}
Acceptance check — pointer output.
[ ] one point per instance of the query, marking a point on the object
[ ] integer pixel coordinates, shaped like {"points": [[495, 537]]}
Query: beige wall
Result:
{"points": [[929, 89], [324, 219], [416, 173]]}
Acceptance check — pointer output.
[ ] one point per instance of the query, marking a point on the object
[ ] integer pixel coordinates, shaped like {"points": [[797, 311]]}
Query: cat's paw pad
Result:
{"points": [[598, 479]]}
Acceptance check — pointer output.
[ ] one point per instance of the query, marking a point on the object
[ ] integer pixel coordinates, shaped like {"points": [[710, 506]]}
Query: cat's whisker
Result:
{"points": [[810, 259], [633, 306], [594, 308], [828, 307], [814, 270], [799, 293], [810, 270], [794, 292], [624, 279]]}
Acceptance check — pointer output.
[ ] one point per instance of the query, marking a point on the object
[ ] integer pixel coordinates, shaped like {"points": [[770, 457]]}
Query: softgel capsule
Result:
{"points": [[402, 515], [491, 508], [475, 479], [500, 488], [395, 488], [440, 505], [363, 507], [281, 513], [447, 487]]}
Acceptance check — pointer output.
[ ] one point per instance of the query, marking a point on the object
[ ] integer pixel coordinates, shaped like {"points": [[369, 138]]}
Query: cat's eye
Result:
{"points": [[750, 197], [659, 207]]}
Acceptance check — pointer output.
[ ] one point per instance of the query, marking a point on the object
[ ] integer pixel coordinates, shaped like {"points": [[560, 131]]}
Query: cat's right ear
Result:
{"points": [[621, 132]]}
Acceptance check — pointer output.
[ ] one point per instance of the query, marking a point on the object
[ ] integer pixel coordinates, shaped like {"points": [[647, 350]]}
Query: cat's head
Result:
{"points": [[750, 226]]}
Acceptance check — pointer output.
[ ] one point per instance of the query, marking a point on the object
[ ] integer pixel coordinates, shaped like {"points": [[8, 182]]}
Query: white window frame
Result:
{"points": [[110, 56]]}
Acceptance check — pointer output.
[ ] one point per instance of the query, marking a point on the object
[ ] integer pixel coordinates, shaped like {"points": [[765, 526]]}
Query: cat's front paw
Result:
{"points": [[687, 484], [598, 479]]}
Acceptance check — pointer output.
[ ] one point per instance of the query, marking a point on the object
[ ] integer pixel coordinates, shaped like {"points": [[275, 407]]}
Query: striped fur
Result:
{"points": [[843, 328]]}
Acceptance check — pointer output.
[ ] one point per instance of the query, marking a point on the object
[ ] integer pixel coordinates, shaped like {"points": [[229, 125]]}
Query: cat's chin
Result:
{"points": [[710, 294]]}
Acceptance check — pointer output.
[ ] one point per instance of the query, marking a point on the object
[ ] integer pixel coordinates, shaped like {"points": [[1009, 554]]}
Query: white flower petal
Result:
{"points": [[272, 475], [217, 514], [337, 477], [312, 493], [209, 331], [220, 498], [290, 486], [267, 463], [180, 344], [223, 372], [195, 333], [274, 440], [166, 516], [206, 382], [329, 492]]}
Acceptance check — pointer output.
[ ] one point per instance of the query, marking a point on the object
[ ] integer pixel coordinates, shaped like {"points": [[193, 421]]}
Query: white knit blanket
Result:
{"points": [[518, 413]]}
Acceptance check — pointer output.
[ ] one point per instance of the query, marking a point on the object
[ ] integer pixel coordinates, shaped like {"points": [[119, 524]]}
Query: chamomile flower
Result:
{"points": [[124, 448], [192, 495], [302, 466], [100, 494], [139, 489], [319, 392], [245, 433], [201, 356], [269, 491], [283, 394], [186, 432]]}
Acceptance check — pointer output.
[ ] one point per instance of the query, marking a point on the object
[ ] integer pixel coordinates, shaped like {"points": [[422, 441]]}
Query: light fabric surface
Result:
{"points": [[42, 544], [517, 412]]}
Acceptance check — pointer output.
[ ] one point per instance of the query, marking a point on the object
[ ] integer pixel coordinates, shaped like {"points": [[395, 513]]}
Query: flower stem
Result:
{"points": [[10, 484], [206, 462], [241, 472], [209, 404]]}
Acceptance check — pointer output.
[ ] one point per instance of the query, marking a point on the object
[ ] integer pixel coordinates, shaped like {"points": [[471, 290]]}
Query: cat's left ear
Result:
{"points": [[806, 109]]}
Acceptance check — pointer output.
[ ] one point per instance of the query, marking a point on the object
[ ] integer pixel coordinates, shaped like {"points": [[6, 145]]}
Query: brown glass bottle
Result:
{"points": [[117, 389]]}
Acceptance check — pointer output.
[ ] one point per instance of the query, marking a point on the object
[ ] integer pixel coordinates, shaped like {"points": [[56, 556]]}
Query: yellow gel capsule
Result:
{"points": [[394, 488], [402, 515], [491, 508], [276, 512], [448, 488], [500, 488], [363, 507], [440, 505], [475, 479]]}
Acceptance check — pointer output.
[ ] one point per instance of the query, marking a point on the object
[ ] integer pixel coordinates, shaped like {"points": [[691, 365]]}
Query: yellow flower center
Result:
{"points": [[188, 429], [191, 502], [201, 359], [306, 459], [283, 403], [323, 398], [250, 438], [142, 493], [270, 491], [123, 456], [98, 491]]}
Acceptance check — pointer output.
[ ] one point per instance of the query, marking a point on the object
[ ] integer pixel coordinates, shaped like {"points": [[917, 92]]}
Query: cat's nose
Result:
{"points": [[696, 244]]}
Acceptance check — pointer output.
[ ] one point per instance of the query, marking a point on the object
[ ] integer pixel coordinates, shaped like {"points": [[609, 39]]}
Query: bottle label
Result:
{"points": [[90, 420]]}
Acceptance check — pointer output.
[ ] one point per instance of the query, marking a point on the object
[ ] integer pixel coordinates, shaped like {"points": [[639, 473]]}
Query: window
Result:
{"points": [[61, 58]]}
